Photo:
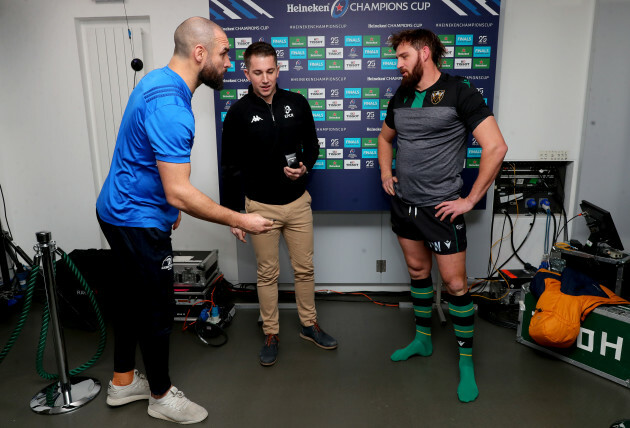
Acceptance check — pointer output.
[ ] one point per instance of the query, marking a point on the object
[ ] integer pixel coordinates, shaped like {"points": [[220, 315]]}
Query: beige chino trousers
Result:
{"points": [[295, 222]]}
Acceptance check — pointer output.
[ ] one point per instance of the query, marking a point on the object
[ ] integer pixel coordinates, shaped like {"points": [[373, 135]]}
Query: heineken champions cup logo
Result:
{"points": [[339, 8]]}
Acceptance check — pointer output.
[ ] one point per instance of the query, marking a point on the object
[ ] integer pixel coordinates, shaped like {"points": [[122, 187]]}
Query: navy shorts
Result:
{"points": [[420, 224]]}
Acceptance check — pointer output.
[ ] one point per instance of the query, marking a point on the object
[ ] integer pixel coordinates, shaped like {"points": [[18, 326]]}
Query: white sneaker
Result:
{"points": [[174, 407], [138, 389]]}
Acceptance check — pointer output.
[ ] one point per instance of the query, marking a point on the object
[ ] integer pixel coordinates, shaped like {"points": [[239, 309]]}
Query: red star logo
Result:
{"points": [[339, 8]]}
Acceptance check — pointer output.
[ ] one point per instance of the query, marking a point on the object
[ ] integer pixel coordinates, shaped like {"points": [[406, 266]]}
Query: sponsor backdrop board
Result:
{"points": [[336, 54]]}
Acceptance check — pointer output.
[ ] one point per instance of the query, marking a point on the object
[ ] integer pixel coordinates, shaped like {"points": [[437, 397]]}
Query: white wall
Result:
{"points": [[543, 76], [45, 166], [605, 159]]}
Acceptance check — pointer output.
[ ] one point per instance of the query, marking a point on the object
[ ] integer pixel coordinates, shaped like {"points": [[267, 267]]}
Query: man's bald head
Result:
{"points": [[195, 31]]}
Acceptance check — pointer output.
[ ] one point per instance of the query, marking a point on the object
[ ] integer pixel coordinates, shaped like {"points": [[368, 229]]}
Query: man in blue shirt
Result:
{"points": [[141, 200]]}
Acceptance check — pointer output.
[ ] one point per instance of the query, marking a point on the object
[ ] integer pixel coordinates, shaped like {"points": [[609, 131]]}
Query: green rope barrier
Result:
{"points": [[44, 330], [32, 279]]}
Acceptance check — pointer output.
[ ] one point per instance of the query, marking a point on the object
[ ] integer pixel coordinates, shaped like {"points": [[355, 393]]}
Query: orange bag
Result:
{"points": [[565, 300]]}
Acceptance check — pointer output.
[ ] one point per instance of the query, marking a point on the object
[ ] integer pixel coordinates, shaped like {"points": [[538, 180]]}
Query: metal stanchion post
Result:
{"points": [[67, 394]]}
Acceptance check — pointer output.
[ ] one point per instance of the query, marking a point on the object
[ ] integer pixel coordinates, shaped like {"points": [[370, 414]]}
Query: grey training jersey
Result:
{"points": [[432, 128]]}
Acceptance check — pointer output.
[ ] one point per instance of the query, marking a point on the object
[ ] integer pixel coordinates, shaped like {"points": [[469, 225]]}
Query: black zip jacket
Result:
{"points": [[256, 139]]}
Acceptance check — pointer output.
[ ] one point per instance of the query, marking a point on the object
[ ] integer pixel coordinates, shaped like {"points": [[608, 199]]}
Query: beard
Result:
{"points": [[211, 77], [413, 77]]}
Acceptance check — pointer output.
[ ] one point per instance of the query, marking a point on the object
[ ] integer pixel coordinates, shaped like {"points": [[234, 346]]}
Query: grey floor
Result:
{"points": [[356, 385]]}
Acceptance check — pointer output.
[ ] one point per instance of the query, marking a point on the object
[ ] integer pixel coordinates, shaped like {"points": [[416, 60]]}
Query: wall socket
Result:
{"points": [[553, 155]]}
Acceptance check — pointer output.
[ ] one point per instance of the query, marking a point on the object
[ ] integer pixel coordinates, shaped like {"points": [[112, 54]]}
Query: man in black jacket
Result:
{"points": [[269, 144]]}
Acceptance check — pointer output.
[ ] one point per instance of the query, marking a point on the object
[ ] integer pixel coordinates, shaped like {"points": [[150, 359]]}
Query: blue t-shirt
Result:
{"points": [[158, 124]]}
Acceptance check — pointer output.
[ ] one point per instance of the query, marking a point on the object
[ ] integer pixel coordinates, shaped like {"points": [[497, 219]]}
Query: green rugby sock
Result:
{"points": [[422, 298], [463, 316]]}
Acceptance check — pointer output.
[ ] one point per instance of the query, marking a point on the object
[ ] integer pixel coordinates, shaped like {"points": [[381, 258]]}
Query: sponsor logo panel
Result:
{"points": [[389, 64], [320, 164], [352, 115], [351, 164], [352, 93], [370, 104], [227, 94], [352, 64], [462, 51], [297, 53], [334, 115], [481, 63], [334, 105], [334, 153], [464, 39], [334, 164], [353, 41], [474, 152], [472, 163], [334, 64], [319, 116], [371, 52], [352, 142], [463, 63], [369, 153], [316, 53], [370, 92], [447, 39], [448, 63], [482, 51], [280, 42], [369, 142], [388, 52], [334, 53], [301, 91], [317, 93], [371, 40], [316, 64], [298, 42], [317, 104], [242, 42], [316, 41], [370, 163]]}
